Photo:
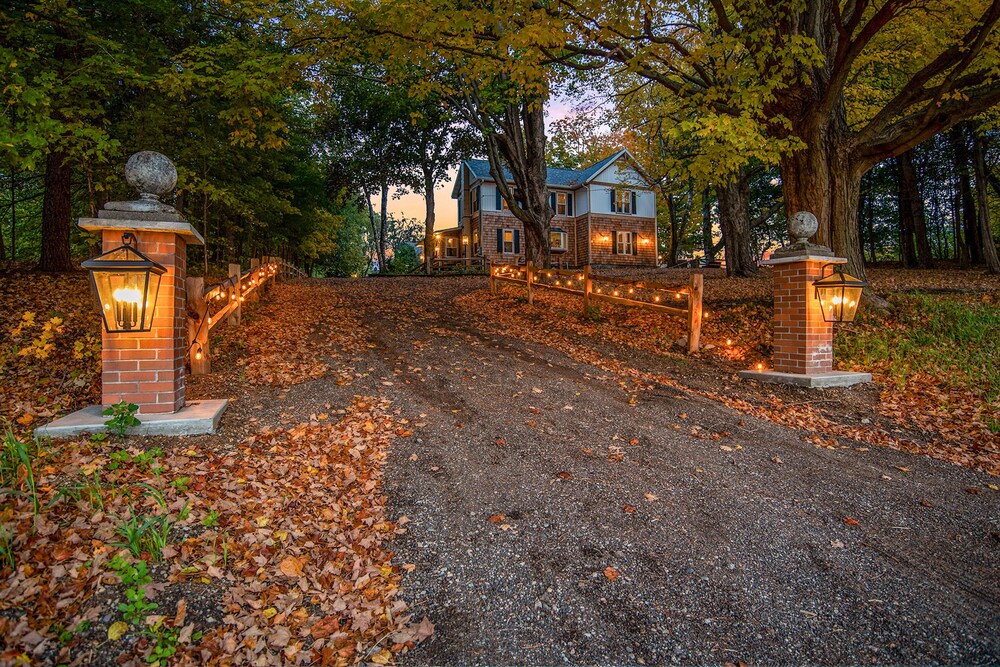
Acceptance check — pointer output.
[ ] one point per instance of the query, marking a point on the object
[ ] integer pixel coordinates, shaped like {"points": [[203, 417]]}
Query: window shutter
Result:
{"points": [[569, 204], [499, 200], [614, 243], [499, 240], [634, 199], [635, 239], [613, 200], [517, 241], [552, 201]]}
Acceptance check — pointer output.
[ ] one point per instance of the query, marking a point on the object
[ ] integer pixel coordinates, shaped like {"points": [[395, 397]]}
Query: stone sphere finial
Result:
{"points": [[151, 173], [802, 226]]}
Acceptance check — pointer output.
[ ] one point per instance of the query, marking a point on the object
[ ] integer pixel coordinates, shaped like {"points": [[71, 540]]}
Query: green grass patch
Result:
{"points": [[949, 338]]}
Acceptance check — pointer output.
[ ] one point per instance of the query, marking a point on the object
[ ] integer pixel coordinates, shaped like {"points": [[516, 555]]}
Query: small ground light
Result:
{"points": [[760, 367], [729, 341]]}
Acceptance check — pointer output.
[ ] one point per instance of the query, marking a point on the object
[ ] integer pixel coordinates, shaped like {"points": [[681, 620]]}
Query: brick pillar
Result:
{"points": [[148, 368], [802, 341]]}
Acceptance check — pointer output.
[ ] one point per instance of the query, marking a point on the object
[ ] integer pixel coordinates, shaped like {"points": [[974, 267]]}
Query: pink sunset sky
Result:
{"points": [[411, 205]]}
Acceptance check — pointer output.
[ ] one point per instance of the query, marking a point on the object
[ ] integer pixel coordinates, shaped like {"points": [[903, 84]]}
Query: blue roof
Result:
{"points": [[556, 176]]}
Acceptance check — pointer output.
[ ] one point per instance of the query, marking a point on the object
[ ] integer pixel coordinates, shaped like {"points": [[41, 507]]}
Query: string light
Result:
{"points": [[729, 341], [760, 367]]}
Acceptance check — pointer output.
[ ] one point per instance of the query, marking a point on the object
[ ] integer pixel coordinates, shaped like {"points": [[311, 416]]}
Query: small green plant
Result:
{"points": [[7, 548], [145, 534], [122, 458], [164, 642], [122, 418], [211, 520], [17, 468], [65, 635], [181, 484], [98, 438], [134, 576]]}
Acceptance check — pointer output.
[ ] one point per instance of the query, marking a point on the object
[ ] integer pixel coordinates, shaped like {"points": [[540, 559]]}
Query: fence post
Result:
{"points": [[587, 287], [529, 273], [198, 329], [254, 267], [236, 312], [694, 311], [493, 283]]}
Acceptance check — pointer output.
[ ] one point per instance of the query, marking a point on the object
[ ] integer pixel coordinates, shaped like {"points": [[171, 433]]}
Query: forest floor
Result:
{"points": [[543, 487]]}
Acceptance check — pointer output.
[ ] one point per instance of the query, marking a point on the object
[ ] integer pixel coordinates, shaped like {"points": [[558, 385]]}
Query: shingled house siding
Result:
{"points": [[582, 240], [601, 251], [492, 221]]}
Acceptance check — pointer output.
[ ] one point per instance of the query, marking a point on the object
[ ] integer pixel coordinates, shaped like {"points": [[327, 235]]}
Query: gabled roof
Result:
{"points": [[556, 176]]}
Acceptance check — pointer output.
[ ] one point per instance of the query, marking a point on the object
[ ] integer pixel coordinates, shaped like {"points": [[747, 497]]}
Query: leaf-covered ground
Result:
{"points": [[275, 544], [932, 356], [279, 544]]}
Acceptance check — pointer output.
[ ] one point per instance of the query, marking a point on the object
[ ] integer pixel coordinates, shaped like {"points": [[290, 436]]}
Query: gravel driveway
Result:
{"points": [[554, 521]]}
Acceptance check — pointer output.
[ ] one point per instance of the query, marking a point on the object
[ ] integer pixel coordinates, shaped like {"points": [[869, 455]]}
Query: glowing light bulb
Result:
{"points": [[656, 299], [197, 355], [615, 293], [729, 341], [127, 295], [631, 291], [760, 367]]}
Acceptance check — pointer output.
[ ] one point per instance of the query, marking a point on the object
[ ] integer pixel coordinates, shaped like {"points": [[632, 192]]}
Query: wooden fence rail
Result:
{"points": [[677, 300], [227, 299]]}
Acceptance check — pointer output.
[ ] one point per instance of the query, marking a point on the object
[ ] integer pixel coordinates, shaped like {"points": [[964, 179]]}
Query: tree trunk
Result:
{"points": [[970, 225], [904, 195], [674, 230], [734, 218], [383, 231], [520, 147], [429, 216], [707, 244], [911, 188], [824, 180], [989, 247], [56, 213]]}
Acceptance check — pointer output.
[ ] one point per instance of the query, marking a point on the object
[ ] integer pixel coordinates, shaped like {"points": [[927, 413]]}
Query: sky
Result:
{"points": [[411, 205]]}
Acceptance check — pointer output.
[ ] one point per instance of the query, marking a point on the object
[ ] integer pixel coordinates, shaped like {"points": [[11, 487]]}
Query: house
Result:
{"points": [[604, 214]]}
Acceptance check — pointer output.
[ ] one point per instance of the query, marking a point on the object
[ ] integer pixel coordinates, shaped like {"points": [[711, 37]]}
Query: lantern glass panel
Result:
{"points": [[127, 298], [839, 295]]}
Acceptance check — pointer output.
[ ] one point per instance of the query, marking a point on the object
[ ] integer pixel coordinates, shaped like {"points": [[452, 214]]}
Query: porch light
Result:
{"points": [[839, 294], [126, 283]]}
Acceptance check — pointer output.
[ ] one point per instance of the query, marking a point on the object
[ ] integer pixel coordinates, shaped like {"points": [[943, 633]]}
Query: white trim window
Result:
{"points": [[558, 240], [623, 201], [475, 199], [624, 243], [508, 241]]}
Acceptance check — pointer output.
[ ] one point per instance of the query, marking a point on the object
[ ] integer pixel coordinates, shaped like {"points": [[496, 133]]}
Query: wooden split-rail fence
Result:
{"points": [[678, 300], [208, 307]]}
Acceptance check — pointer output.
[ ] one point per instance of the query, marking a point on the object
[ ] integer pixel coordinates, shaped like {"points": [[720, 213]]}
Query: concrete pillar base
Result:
{"points": [[195, 418], [818, 380]]}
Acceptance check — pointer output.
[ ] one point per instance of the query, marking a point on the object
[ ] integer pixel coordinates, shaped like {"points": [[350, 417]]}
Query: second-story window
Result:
{"points": [[564, 203], [475, 200], [623, 201]]}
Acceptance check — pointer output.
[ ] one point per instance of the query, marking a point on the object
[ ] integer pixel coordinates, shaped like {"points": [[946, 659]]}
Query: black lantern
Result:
{"points": [[839, 294], [126, 283]]}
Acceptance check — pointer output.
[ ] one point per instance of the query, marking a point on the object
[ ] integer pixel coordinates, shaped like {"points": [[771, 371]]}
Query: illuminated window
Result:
{"points": [[508, 241], [625, 243], [558, 240]]}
